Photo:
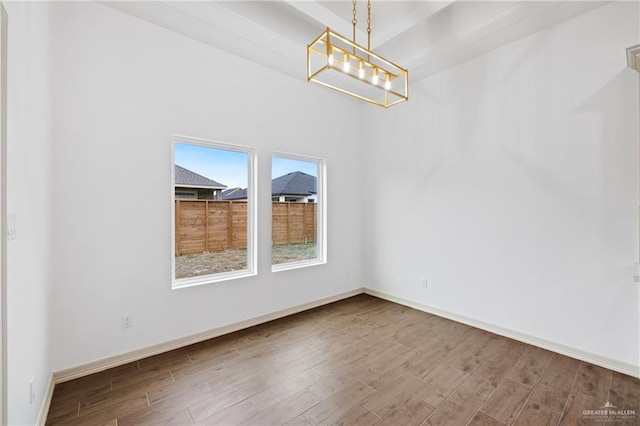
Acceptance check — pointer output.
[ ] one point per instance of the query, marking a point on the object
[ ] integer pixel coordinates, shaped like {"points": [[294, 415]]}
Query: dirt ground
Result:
{"points": [[236, 259]]}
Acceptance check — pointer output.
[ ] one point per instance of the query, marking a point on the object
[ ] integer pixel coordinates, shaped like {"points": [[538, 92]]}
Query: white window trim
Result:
{"points": [[321, 201], [252, 214]]}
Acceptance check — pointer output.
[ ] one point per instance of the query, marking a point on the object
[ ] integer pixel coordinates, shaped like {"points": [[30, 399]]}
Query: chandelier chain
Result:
{"points": [[354, 22], [368, 24]]}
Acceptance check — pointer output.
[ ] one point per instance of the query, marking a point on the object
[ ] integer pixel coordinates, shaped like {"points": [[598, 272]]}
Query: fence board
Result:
{"points": [[214, 226]]}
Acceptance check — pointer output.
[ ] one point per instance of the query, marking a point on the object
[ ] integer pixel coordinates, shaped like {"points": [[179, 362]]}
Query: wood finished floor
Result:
{"points": [[360, 361]]}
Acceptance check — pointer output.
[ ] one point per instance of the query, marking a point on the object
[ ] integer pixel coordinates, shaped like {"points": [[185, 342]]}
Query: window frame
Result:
{"points": [[252, 216], [321, 211]]}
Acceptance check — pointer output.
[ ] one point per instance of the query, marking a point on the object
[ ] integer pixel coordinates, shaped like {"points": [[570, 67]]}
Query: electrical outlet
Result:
{"points": [[127, 321], [32, 390], [423, 281]]}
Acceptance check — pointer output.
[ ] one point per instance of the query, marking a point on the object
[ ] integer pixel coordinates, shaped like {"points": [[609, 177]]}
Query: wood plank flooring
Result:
{"points": [[360, 361]]}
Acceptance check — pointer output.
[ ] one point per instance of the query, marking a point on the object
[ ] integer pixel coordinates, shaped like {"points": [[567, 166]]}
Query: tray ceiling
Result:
{"points": [[423, 36]]}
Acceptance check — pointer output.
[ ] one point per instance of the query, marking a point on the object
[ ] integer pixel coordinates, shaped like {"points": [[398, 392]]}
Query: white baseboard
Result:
{"points": [[46, 402], [117, 360], [612, 364]]}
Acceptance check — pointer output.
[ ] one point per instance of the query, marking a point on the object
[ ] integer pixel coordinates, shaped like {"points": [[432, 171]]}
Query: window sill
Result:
{"points": [[210, 279], [297, 265]]}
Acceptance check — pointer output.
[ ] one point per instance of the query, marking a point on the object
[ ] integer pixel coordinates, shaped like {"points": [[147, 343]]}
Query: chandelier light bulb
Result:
{"points": [[371, 74]]}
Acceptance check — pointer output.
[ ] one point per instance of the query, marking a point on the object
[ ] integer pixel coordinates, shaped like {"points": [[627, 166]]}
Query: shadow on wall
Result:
{"points": [[616, 107], [605, 115], [599, 137]]}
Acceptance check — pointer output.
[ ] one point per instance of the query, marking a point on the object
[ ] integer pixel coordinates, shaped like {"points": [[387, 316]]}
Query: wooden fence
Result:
{"points": [[206, 226], [293, 223]]}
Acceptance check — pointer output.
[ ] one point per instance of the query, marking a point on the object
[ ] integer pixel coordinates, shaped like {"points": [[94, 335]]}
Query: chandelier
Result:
{"points": [[341, 64]]}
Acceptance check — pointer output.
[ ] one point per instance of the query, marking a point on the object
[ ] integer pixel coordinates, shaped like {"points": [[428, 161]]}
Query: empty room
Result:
{"points": [[320, 212]]}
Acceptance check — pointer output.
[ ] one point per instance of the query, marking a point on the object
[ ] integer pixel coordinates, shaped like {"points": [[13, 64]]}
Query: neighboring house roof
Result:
{"points": [[294, 183], [187, 178], [234, 194]]}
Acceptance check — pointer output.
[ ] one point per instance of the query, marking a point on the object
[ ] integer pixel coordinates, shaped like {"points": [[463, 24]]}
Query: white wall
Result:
{"points": [[29, 175], [511, 183], [122, 87], [516, 173]]}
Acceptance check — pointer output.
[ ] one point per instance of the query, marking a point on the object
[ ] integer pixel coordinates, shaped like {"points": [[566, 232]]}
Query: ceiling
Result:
{"points": [[422, 36]]}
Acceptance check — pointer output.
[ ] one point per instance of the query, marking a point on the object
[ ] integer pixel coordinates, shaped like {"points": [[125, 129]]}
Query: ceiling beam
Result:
{"points": [[408, 21], [515, 23], [326, 17], [214, 25]]}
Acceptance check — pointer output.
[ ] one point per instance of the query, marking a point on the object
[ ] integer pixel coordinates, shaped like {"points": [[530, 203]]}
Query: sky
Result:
{"points": [[226, 167], [281, 166], [230, 167]]}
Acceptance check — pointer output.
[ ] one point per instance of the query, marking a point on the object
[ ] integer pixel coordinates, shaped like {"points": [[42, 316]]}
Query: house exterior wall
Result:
{"points": [[296, 198], [197, 193]]}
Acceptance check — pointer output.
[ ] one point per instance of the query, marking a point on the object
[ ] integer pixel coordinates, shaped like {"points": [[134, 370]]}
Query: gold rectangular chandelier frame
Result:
{"points": [[373, 78]]}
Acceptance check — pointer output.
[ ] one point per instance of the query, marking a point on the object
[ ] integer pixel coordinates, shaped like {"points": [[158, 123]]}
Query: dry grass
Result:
{"points": [[236, 259], [292, 253], [196, 265]]}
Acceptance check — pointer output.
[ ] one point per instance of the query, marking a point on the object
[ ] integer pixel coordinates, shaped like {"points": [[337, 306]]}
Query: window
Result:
{"points": [[186, 194], [213, 235], [298, 211]]}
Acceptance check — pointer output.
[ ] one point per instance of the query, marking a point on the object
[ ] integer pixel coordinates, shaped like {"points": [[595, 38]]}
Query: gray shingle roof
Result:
{"points": [[294, 183], [234, 194], [185, 177]]}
